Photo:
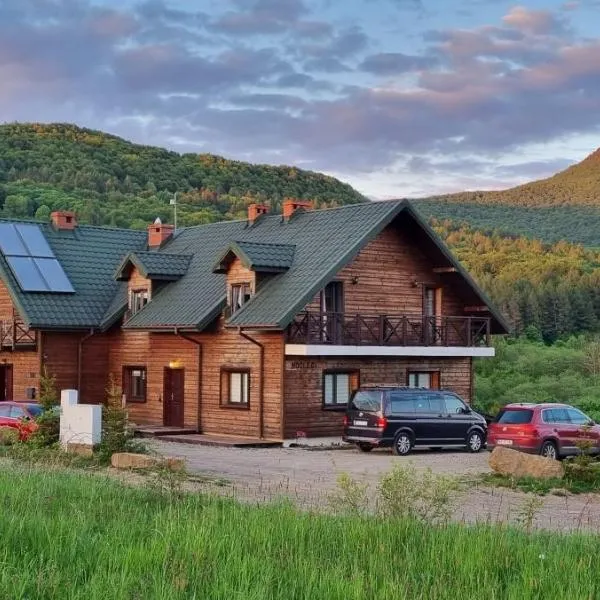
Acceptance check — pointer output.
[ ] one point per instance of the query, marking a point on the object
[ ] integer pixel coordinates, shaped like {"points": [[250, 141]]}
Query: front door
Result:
{"points": [[6, 382], [173, 397], [332, 309]]}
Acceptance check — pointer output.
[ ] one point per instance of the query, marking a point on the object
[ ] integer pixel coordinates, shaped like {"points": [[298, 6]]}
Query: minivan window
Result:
{"points": [[454, 405], [577, 417], [401, 403], [428, 404], [367, 400], [515, 416]]}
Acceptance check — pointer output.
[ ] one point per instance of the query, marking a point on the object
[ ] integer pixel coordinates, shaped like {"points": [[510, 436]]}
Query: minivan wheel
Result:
{"points": [[402, 444], [475, 441], [548, 450], [364, 447]]}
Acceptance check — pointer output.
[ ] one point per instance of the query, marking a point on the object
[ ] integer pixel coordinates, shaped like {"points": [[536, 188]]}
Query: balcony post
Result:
{"points": [[470, 332], [488, 341]]}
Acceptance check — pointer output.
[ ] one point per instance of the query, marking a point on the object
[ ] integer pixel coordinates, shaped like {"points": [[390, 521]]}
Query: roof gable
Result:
{"points": [[154, 265], [263, 257]]}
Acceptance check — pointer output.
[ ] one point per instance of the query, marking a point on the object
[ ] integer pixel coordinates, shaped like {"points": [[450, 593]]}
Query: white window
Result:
{"points": [[235, 386], [424, 379], [137, 300], [240, 294], [337, 387]]}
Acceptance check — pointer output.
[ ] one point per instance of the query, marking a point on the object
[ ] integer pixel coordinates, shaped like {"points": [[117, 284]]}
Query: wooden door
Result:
{"points": [[6, 382], [173, 397]]}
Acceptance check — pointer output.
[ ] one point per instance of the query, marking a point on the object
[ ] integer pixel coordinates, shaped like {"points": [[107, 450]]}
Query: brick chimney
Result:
{"points": [[159, 233], [291, 205], [63, 219], [255, 211]]}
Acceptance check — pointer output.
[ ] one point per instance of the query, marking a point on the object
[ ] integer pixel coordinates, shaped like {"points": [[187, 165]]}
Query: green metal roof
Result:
{"points": [[324, 241], [89, 256], [255, 256], [155, 265]]}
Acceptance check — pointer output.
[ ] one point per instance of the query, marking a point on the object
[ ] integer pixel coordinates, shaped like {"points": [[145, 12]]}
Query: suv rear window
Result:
{"points": [[514, 416], [366, 400]]}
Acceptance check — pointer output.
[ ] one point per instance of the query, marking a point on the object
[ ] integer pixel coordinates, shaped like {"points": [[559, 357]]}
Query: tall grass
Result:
{"points": [[77, 536]]}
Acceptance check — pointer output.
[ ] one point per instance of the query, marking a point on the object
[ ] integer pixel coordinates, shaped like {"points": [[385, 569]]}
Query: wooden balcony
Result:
{"points": [[388, 330], [15, 335]]}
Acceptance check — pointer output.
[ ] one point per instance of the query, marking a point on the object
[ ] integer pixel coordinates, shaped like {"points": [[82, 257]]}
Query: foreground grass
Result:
{"points": [[72, 535]]}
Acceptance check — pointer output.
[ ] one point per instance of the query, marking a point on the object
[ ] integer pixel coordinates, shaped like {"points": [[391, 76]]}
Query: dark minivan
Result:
{"points": [[402, 418]]}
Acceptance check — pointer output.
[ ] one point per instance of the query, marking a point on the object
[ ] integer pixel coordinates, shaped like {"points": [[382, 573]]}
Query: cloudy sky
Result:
{"points": [[397, 97]]}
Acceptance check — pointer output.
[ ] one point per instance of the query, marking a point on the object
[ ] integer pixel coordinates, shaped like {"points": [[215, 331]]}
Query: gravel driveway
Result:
{"points": [[309, 476]]}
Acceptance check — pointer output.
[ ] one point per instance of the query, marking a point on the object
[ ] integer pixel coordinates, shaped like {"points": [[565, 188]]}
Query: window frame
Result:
{"points": [[352, 387], [134, 295], [127, 382], [434, 374], [239, 290], [225, 387]]}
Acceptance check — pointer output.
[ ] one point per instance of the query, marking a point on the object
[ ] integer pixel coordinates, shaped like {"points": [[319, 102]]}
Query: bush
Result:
{"points": [[8, 436], [49, 421]]}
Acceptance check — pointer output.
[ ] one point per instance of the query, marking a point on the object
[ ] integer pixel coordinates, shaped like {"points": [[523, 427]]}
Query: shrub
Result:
{"points": [[350, 496], [8, 436], [49, 421]]}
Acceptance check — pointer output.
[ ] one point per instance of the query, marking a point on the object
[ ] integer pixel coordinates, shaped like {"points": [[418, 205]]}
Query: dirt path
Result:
{"points": [[308, 478]]}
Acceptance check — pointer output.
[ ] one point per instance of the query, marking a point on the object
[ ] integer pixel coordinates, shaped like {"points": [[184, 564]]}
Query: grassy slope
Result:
{"points": [[76, 536]]}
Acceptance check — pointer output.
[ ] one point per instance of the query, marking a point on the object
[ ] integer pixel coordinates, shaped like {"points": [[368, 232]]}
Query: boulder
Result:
{"points": [[518, 464], [130, 460], [81, 449]]}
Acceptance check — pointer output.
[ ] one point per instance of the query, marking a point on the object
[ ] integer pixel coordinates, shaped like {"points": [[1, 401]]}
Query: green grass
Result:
{"points": [[73, 535]]}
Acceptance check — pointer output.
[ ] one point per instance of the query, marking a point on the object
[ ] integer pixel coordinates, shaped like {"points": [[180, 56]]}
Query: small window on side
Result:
{"points": [[338, 387], [424, 379], [134, 384], [235, 388]]}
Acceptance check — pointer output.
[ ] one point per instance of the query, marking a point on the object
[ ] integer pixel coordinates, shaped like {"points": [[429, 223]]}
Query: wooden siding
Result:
{"points": [[304, 386], [386, 269], [237, 273], [223, 348]]}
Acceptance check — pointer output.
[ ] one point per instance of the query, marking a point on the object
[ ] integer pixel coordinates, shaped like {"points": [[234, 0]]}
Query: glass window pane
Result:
{"points": [[245, 387], [577, 417], [10, 241], [561, 415], [422, 404], [17, 412], [27, 274], [436, 405], [328, 391], [548, 416], [401, 403], [54, 275], [453, 404], [235, 388], [342, 388], [35, 241], [4, 410], [516, 416]]}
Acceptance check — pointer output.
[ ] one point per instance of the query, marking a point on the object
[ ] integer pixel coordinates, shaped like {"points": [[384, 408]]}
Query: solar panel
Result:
{"points": [[27, 274], [10, 241], [54, 275], [31, 259], [35, 241]]}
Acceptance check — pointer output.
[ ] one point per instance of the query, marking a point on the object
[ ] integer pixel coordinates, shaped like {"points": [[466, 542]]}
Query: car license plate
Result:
{"points": [[504, 442], [358, 423]]}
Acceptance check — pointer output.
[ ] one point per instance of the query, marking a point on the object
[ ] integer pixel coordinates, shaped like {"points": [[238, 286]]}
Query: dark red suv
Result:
{"points": [[552, 430]]}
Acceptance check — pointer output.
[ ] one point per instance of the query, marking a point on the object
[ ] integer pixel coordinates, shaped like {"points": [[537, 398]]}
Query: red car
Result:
{"points": [[20, 416], [552, 430]]}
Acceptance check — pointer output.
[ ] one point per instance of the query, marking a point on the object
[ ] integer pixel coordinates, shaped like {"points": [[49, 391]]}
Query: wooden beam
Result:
{"points": [[476, 308], [444, 269]]}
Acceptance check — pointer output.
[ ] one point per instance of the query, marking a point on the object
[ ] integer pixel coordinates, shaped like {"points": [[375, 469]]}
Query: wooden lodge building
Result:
{"points": [[257, 328]]}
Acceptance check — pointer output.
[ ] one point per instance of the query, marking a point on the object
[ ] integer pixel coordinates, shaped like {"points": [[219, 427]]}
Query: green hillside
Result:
{"points": [[108, 180], [565, 206]]}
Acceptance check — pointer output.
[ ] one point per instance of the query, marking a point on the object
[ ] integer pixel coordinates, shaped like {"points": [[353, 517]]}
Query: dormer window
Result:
{"points": [[240, 294], [137, 300]]}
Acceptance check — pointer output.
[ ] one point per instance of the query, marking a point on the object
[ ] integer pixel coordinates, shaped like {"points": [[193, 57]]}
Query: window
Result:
{"points": [[240, 294], [577, 417], [235, 388], [516, 416], [338, 386], [4, 410], [134, 384], [401, 403], [137, 300], [424, 379], [16, 412], [454, 405]]}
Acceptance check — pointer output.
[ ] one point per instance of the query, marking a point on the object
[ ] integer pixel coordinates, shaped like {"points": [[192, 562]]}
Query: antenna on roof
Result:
{"points": [[173, 203]]}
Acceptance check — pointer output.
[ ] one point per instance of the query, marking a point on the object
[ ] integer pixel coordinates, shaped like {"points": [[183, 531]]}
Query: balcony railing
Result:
{"points": [[15, 335], [388, 330]]}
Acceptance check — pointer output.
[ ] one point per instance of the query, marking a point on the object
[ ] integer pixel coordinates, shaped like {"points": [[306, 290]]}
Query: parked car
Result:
{"points": [[552, 430], [20, 416], [402, 418]]}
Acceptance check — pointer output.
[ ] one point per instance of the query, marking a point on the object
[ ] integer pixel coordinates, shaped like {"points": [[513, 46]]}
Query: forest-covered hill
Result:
{"points": [[110, 181]]}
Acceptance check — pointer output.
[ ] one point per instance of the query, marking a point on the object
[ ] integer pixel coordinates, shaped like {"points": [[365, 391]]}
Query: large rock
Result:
{"points": [[130, 460], [518, 464]]}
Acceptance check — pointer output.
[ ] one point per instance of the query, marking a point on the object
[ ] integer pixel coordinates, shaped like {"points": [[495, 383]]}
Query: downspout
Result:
{"points": [[261, 389], [200, 375], [80, 358]]}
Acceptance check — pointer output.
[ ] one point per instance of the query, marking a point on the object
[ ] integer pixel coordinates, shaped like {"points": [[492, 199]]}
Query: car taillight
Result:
{"points": [[346, 421], [381, 422], [526, 429]]}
